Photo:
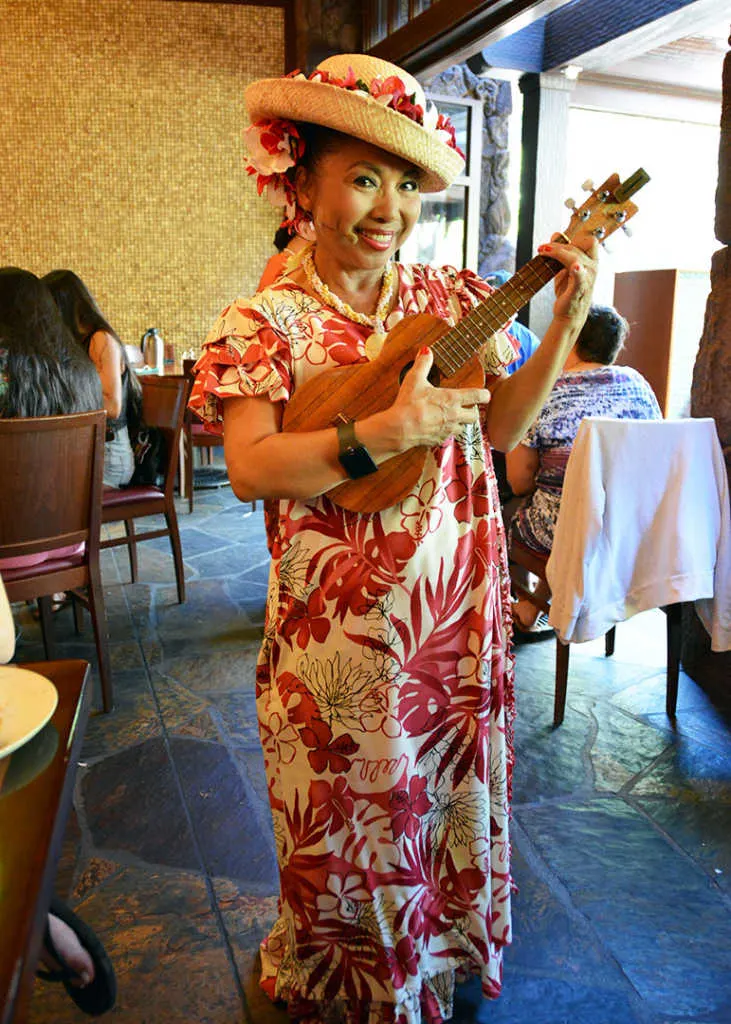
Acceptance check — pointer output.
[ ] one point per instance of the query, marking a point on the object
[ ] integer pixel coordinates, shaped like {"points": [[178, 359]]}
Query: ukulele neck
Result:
{"points": [[466, 338]]}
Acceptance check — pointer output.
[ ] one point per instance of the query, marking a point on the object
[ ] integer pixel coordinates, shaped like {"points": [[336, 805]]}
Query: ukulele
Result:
{"points": [[354, 392]]}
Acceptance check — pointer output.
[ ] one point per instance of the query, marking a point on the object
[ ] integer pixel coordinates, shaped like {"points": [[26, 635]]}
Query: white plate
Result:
{"points": [[27, 701]]}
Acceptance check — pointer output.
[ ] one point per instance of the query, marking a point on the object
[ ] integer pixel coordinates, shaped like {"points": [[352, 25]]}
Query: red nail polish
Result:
{"points": [[576, 268], [424, 351], [544, 248]]}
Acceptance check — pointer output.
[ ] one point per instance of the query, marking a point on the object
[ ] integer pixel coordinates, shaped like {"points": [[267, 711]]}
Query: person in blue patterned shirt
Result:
{"points": [[589, 385]]}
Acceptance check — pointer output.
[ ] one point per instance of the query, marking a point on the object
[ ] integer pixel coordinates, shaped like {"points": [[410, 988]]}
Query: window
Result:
{"points": [[449, 227]]}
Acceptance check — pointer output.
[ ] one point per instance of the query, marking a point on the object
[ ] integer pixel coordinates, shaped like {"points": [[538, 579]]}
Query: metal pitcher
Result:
{"points": [[153, 349]]}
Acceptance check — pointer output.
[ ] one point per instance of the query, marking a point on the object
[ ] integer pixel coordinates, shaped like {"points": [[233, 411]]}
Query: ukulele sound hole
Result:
{"points": [[434, 378]]}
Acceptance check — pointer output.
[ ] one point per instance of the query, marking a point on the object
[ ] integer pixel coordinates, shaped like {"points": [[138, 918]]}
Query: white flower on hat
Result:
{"points": [[430, 118], [270, 146]]}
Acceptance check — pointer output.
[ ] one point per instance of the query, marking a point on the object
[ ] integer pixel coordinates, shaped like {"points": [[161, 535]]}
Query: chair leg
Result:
{"points": [[129, 529], [609, 642], [562, 675], [674, 615], [78, 614], [101, 638], [189, 470], [45, 612], [172, 520]]}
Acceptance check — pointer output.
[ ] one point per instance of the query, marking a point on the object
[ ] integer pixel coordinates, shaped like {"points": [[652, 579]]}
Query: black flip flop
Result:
{"points": [[100, 994]]}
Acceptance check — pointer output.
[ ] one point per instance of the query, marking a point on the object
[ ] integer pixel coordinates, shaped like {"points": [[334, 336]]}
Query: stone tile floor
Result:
{"points": [[622, 825]]}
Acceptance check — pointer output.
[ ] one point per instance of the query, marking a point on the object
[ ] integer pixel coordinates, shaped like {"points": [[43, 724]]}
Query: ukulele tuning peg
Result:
{"points": [[599, 233], [588, 185], [606, 248], [627, 230], [570, 203]]}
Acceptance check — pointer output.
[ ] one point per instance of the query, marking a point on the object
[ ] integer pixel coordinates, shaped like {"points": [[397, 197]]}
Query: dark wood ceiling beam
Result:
{"points": [[451, 27]]}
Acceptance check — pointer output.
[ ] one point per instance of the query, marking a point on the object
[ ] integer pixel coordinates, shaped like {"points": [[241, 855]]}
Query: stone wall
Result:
{"points": [[495, 253], [711, 391]]}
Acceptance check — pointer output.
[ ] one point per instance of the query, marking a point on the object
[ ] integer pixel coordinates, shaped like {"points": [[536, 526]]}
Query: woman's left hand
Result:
{"points": [[573, 285]]}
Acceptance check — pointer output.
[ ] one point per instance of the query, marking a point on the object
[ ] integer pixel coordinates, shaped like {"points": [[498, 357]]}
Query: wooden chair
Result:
{"points": [[51, 499], [163, 405], [535, 563], [195, 436]]}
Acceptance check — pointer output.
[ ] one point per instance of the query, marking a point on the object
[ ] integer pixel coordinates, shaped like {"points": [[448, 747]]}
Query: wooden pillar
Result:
{"points": [[546, 101]]}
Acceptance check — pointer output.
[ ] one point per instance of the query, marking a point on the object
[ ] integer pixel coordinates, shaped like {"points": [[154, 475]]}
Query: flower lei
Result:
{"points": [[275, 146]]}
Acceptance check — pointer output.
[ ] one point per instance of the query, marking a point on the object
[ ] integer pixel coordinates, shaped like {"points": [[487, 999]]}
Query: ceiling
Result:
{"points": [[691, 62], [682, 48]]}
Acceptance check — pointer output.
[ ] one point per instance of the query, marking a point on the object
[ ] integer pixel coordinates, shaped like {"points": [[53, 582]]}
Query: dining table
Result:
{"points": [[36, 792]]}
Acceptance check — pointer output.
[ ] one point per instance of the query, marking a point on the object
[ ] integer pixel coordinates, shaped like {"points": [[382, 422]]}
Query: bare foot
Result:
{"points": [[65, 941]]}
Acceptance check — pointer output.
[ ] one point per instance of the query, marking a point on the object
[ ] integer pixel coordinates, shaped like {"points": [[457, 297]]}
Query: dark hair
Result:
{"points": [[601, 338], [318, 141], [82, 316], [282, 238], [78, 307], [47, 374]]}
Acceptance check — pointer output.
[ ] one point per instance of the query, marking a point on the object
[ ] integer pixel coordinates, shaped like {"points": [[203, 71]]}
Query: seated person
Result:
{"points": [[589, 385], [42, 371], [120, 387]]}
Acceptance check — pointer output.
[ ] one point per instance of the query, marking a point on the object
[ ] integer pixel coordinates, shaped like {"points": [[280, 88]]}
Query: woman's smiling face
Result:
{"points": [[364, 202]]}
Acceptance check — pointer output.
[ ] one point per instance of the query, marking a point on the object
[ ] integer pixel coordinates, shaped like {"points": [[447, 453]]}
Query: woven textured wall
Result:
{"points": [[121, 155]]}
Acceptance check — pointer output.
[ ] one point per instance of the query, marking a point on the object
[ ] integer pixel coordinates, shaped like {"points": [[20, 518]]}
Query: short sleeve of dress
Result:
{"points": [[247, 355]]}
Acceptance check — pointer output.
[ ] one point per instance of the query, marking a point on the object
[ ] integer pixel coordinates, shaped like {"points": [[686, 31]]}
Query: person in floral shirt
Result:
{"points": [[385, 678]]}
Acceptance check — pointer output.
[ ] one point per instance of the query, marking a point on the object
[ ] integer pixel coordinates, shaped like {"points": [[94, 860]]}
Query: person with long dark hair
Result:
{"points": [[42, 371], [120, 387]]}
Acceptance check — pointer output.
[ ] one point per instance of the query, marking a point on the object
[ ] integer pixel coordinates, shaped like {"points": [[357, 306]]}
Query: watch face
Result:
{"points": [[357, 462]]}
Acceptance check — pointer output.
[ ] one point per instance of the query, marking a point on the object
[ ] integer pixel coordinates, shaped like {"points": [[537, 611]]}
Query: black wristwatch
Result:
{"points": [[353, 456]]}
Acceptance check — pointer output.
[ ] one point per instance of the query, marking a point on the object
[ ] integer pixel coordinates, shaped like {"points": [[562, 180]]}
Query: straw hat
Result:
{"points": [[372, 100]]}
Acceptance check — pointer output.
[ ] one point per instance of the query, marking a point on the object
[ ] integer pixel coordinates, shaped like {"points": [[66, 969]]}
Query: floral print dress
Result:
{"points": [[384, 693]]}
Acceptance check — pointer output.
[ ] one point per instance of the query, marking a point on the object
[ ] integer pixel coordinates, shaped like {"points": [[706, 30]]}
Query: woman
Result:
{"points": [[384, 685], [120, 387], [589, 385], [42, 371]]}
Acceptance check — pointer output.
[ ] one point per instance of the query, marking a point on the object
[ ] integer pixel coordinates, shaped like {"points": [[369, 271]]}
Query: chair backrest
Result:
{"points": [[163, 407], [643, 509], [52, 469], [188, 365]]}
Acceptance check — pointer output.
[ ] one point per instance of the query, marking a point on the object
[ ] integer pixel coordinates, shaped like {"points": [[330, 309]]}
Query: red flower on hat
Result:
{"points": [[445, 131]]}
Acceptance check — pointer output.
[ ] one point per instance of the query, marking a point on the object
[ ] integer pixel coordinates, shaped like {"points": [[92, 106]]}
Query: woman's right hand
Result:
{"points": [[425, 415]]}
